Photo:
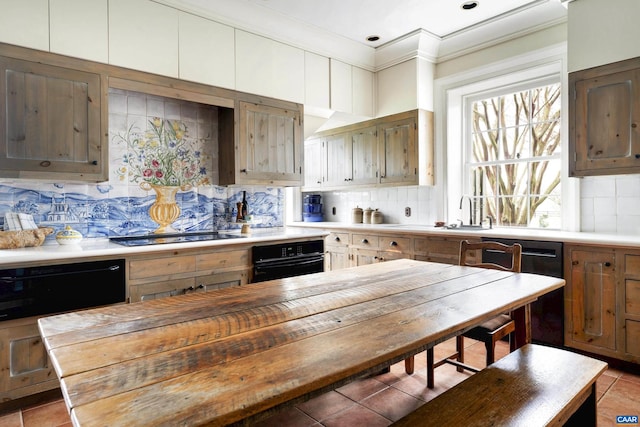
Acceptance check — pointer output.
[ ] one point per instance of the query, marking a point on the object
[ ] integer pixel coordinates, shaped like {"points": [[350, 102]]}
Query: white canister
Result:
{"points": [[376, 217], [366, 216], [356, 215]]}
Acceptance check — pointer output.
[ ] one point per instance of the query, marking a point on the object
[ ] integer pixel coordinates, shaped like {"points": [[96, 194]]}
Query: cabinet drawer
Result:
{"points": [[395, 244], [449, 248], [141, 269], [337, 239], [365, 241], [632, 265], [222, 260]]}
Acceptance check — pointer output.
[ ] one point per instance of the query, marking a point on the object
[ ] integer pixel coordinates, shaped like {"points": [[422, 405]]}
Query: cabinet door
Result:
{"points": [[50, 122], [592, 298], [605, 132], [163, 289], [398, 155], [336, 258], [24, 366], [269, 146], [222, 280], [364, 155], [314, 168], [339, 169], [365, 256]]}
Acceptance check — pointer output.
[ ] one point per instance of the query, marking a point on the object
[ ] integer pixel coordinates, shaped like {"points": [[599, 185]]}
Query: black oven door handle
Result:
{"points": [[289, 262]]}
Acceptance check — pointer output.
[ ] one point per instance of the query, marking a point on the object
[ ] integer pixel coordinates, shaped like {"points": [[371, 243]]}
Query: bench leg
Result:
{"points": [[460, 351]]}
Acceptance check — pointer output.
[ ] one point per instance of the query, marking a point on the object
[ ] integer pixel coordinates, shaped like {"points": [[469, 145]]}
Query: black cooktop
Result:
{"points": [[159, 239]]}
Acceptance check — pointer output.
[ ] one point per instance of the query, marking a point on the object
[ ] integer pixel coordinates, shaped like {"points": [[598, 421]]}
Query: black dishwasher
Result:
{"points": [[547, 313], [33, 291]]}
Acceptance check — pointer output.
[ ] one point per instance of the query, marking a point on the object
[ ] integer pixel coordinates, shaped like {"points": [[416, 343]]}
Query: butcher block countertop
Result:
{"points": [[220, 357], [51, 251]]}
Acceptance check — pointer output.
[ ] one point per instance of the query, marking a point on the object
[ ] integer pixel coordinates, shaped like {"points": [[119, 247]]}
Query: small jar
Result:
{"points": [[356, 215], [68, 236], [377, 217], [366, 216]]}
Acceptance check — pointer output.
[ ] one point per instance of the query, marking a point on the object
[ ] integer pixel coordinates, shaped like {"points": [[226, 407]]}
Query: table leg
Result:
{"points": [[522, 318]]}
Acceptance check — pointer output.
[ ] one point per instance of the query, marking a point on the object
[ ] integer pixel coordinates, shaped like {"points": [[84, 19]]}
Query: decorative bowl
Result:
{"points": [[68, 236]]}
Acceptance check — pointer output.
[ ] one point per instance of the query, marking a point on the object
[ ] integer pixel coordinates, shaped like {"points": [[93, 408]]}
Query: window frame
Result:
{"points": [[467, 155], [449, 92]]}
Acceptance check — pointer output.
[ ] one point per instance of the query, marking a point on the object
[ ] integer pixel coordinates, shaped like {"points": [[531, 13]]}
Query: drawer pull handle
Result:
{"points": [[393, 243], [337, 239], [607, 264], [365, 241]]}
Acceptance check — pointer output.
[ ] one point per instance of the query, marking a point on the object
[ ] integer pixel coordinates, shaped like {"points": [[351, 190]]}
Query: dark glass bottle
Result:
{"points": [[245, 206]]}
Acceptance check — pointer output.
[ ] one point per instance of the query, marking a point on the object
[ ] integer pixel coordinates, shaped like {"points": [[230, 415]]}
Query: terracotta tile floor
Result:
{"points": [[380, 400]]}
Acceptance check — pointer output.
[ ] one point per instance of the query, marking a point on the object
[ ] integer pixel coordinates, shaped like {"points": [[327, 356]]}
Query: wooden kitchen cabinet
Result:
{"points": [[386, 150], [602, 301], [371, 248], [315, 168], [364, 156], [604, 119], [439, 249], [268, 149], [177, 272], [397, 145], [592, 299], [25, 368], [337, 255], [52, 119]]}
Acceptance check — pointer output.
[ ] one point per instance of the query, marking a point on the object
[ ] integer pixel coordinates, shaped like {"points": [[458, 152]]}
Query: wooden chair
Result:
{"points": [[489, 332]]}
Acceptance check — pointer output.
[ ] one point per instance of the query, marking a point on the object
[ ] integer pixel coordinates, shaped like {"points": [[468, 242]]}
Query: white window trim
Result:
{"points": [[450, 93]]}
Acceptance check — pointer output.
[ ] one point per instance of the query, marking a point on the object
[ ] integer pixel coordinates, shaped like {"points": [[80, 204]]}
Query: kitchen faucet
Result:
{"points": [[470, 208]]}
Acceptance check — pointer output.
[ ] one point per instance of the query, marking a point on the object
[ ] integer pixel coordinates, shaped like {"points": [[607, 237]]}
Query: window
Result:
{"points": [[513, 163]]}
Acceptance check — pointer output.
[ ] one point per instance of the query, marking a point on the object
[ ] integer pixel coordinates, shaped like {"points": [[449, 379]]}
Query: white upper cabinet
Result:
{"points": [[341, 87], [316, 81], [25, 23], [351, 89], [207, 51], [362, 93], [79, 28], [269, 68], [144, 36]]}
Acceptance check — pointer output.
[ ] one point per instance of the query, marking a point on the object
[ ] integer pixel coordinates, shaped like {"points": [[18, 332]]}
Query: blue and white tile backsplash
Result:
{"points": [[118, 207]]}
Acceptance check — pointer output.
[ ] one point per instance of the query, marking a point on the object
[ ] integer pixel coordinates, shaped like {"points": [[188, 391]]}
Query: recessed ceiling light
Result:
{"points": [[469, 5], [373, 38]]}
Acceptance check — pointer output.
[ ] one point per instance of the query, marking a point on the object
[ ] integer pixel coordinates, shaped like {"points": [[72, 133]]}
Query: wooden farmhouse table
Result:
{"points": [[239, 354]]}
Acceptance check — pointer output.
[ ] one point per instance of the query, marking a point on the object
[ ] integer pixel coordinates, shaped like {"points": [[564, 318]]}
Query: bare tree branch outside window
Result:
{"points": [[515, 165]]}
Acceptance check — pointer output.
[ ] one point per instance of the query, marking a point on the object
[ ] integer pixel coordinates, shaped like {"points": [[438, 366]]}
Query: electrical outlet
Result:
{"points": [[407, 211]]}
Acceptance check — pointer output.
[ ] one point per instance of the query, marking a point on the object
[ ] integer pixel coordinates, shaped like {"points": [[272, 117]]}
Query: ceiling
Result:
{"points": [[356, 20]]}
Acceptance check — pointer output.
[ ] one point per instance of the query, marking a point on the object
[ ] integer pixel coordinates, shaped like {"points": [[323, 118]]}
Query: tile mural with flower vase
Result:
{"points": [[165, 159], [120, 207]]}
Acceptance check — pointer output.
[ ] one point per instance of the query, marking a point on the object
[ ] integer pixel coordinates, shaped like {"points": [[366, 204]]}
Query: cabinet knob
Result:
{"points": [[243, 171], [393, 243], [637, 156], [365, 241], [94, 163], [607, 264], [45, 163], [337, 239]]}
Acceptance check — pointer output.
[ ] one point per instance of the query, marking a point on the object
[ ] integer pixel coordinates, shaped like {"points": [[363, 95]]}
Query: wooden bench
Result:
{"points": [[533, 386]]}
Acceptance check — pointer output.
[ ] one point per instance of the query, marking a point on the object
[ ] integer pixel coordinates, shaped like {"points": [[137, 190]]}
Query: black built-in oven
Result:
{"points": [[39, 290], [287, 260]]}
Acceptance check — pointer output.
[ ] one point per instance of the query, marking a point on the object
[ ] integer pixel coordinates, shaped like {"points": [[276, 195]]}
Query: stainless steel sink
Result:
{"points": [[465, 227]]}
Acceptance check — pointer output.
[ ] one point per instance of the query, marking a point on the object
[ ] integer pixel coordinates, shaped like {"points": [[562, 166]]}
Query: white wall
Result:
{"points": [[602, 31]]}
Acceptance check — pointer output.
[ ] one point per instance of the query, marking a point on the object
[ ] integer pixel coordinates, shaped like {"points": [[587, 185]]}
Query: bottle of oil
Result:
{"points": [[245, 206]]}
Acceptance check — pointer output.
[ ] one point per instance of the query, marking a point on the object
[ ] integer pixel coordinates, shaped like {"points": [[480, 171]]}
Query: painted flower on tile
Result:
{"points": [[163, 155]]}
